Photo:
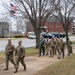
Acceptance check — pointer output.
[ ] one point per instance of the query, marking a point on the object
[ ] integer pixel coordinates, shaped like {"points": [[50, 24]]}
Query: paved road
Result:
{"points": [[72, 38], [26, 42]]}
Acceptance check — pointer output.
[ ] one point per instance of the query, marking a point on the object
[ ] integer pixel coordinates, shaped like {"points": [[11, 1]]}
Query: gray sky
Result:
{"points": [[4, 14]]}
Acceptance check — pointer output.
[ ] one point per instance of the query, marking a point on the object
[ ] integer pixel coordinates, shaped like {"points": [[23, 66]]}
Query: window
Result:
{"points": [[57, 30], [57, 25], [52, 25], [52, 30]]}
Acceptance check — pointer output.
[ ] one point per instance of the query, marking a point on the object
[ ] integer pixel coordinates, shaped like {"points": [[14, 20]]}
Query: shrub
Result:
{"points": [[18, 36]]}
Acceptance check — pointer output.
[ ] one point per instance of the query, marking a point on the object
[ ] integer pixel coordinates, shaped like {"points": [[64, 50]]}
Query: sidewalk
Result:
{"points": [[34, 64]]}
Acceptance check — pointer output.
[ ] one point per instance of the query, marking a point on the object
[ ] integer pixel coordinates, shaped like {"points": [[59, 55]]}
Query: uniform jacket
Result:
{"points": [[20, 51], [41, 43], [9, 49]]}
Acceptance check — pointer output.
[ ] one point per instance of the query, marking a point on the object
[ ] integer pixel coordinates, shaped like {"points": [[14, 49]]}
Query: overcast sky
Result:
{"points": [[3, 13]]}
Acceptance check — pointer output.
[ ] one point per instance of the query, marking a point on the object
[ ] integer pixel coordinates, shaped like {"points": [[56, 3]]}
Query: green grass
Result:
{"points": [[29, 52], [71, 34], [73, 42], [63, 67], [2, 55]]}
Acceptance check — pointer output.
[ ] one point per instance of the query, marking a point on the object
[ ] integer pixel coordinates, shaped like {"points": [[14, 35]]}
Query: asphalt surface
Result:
{"points": [[26, 42]]}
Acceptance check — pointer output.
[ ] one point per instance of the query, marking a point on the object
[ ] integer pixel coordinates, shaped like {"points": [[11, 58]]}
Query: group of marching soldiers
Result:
{"points": [[55, 46], [19, 55]]}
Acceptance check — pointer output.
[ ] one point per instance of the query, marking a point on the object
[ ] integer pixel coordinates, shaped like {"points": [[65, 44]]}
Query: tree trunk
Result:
{"points": [[66, 37], [37, 37]]}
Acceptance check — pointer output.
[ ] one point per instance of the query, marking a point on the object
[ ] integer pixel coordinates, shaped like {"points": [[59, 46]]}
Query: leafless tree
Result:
{"points": [[20, 24], [65, 14], [37, 12], [4, 28]]}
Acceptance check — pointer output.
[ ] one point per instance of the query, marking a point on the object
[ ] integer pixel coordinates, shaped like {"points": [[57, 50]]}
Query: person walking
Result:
{"points": [[57, 45], [62, 49], [69, 47], [52, 47], [20, 55], [9, 50], [47, 46], [41, 44]]}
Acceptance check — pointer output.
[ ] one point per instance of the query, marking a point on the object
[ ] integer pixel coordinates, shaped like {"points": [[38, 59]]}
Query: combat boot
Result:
{"points": [[46, 53], [24, 68], [5, 69], [58, 57], [16, 71]]}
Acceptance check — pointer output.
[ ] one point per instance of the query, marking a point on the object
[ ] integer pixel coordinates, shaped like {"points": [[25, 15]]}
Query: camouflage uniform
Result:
{"points": [[9, 54], [62, 48], [57, 45], [69, 48], [52, 47], [20, 54], [47, 46]]}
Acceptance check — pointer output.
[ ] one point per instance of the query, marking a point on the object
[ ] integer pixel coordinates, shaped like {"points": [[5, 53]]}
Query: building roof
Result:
{"points": [[54, 19]]}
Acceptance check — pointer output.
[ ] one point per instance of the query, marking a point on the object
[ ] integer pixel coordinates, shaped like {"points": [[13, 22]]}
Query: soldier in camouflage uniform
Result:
{"points": [[20, 54], [52, 47], [57, 45], [9, 54], [69, 46], [47, 46], [62, 48]]}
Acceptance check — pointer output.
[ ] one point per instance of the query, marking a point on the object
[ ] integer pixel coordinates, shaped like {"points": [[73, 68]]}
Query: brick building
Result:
{"points": [[54, 25]]}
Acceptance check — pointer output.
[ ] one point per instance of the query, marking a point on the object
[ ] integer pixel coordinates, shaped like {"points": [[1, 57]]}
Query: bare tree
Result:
{"points": [[37, 12], [4, 28], [65, 14], [29, 27]]}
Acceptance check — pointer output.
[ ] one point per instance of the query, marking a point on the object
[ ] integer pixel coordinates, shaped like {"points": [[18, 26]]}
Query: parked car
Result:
{"points": [[47, 35], [32, 36], [30, 33], [59, 35]]}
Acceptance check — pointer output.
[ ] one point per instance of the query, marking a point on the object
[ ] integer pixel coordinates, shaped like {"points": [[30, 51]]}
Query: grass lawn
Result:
{"points": [[29, 52], [1, 57], [63, 67], [71, 34], [73, 42]]}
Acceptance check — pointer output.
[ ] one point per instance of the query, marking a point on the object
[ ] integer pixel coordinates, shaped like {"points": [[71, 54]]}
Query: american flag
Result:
{"points": [[12, 6], [12, 9]]}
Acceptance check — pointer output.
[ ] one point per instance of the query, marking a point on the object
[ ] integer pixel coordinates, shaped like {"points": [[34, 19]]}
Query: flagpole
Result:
{"points": [[9, 31]]}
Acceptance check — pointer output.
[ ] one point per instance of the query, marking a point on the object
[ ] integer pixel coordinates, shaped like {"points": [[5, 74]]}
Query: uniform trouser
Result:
{"points": [[51, 53], [21, 60], [47, 50], [42, 49], [69, 51], [61, 53], [57, 50], [7, 58], [54, 51]]}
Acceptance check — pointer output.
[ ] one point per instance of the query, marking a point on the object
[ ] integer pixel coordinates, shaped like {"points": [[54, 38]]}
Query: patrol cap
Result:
{"points": [[9, 39], [20, 40]]}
